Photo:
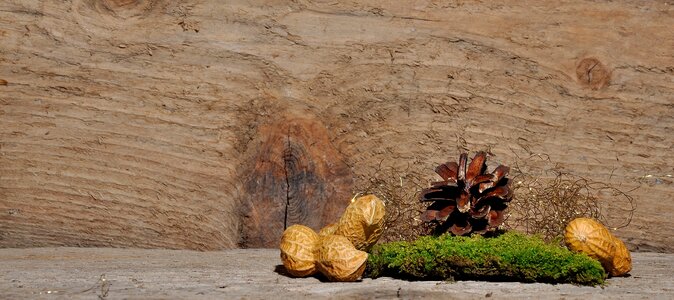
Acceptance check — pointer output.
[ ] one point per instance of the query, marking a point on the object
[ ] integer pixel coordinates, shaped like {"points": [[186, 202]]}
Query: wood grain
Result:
{"points": [[129, 123]]}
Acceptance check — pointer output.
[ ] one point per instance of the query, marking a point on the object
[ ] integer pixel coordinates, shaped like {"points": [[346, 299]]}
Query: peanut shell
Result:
{"points": [[592, 238], [622, 260], [299, 249], [339, 260], [328, 229], [363, 222]]}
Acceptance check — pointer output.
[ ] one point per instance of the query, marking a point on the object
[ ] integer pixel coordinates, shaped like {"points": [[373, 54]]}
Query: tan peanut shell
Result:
{"points": [[339, 260], [592, 238], [363, 222], [299, 250], [622, 260], [328, 229]]}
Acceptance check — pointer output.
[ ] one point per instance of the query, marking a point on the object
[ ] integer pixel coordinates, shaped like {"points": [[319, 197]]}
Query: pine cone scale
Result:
{"points": [[447, 171], [464, 202], [437, 194], [446, 183], [495, 217], [463, 158], [500, 172], [481, 179], [481, 213], [461, 230], [501, 192], [444, 213], [476, 167], [438, 211]]}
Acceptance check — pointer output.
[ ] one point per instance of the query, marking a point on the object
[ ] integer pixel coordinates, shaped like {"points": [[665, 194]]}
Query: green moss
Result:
{"points": [[508, 257]]}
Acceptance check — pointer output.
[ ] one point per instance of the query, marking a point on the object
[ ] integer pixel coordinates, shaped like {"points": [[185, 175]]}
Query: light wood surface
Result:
{"points": [[138, 123], [86, 273]]}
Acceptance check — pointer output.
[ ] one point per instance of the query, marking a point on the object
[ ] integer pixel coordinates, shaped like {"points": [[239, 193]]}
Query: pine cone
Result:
{"points": [[467, 200]]}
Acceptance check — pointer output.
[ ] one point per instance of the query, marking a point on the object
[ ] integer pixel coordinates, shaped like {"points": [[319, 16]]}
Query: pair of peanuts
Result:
{"points": [[588, 236]]}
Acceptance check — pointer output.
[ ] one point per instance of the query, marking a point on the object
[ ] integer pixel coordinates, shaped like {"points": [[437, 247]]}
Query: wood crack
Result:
{"points": [[287, 156]]}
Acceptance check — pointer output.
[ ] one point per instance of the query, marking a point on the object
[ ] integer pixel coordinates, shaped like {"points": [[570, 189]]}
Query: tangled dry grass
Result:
{"points": [[545, 199], [398, 188]]}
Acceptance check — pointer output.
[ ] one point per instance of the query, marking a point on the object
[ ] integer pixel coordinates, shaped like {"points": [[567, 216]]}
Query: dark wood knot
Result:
{"points": [[592, 73], [294, 176]]}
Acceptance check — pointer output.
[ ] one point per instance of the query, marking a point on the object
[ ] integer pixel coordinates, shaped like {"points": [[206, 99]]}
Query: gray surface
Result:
{"points": [[131, 273]]}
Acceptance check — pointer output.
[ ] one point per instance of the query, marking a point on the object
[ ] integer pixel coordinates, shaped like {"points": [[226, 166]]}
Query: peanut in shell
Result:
{"points": [[592, 238], [339, 260], [622, 260], [299, 250], [328, 230], [363, 222]]}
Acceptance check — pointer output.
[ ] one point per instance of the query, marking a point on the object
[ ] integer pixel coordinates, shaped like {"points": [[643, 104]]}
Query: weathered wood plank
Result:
{"points": [[127, 123]]}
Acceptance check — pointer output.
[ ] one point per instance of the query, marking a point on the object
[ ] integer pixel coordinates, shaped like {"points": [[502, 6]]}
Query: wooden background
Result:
{"points": [[142, 123]]}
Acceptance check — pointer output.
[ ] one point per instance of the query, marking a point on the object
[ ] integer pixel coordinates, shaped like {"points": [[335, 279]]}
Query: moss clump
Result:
{"points": [[508, 257]]}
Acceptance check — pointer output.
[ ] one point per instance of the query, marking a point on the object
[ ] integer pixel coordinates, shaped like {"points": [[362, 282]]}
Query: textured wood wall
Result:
{"points": [[136, 123]]}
